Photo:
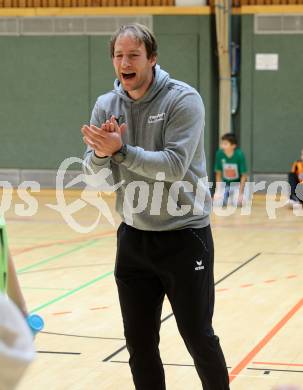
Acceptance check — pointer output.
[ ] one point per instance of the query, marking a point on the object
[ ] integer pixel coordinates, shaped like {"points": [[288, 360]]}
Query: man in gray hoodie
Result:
{"points": [[148, 132]]}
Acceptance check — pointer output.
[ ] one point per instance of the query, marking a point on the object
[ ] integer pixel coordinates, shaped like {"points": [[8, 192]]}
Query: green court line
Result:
{"points": [[49, 259], [60, 297]]}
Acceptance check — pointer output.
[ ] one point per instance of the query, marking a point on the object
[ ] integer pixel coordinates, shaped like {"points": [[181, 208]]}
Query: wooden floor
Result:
{"points": [[67, 277]]}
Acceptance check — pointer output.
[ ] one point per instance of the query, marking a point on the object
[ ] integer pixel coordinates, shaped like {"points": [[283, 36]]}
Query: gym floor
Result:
{"points": [[67, 277]]}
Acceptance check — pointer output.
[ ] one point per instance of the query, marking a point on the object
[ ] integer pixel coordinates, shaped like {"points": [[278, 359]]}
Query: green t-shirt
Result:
{"points": [[3, 255], [233, 167]]}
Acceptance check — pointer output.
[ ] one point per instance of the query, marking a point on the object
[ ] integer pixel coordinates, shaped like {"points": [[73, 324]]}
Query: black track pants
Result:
{"points": [[178, 263]]}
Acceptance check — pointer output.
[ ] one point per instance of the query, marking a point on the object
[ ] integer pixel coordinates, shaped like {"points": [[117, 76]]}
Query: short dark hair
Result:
{"points": [[141, 33], [230, 137]]}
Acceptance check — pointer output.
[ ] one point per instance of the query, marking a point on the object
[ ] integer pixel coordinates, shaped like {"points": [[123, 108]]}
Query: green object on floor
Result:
{"points": [[3, 255]]}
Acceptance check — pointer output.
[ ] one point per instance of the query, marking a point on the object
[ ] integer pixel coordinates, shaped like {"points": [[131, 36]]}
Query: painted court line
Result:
{"points": [[109, 357], [238, 268], [279, 364], [52, 258], [74, 291], [164, 364], [192, 366], [171, 314], [258, 283], [70, 312], [82, 336], [62, 242], [268, 370], [62, 313], [249, 357], [69, 267]]}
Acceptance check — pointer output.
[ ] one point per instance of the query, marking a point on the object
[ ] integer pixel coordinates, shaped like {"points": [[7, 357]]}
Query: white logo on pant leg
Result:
{"points": [[199, 265]]}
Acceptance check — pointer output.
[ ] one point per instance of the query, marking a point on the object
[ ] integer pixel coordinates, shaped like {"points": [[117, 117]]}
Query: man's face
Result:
{"points": [[227, 146], [132, 67]]}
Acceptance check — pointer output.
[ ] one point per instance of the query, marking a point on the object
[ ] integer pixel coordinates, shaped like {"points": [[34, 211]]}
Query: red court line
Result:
{"points": [[248, 358], [256, 284], [70, 312], [62, 313], [70, 241], [279, 364]]}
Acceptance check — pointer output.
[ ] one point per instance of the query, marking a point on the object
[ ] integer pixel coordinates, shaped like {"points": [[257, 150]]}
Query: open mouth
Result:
{"points": [[128, 76]]}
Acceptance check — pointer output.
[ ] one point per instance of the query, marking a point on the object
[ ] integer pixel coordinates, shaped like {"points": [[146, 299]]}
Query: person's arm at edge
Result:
{"points": [[13, 287]]}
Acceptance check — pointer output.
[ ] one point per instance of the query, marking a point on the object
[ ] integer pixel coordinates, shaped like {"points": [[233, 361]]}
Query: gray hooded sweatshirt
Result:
{"points": [[162, 184]]}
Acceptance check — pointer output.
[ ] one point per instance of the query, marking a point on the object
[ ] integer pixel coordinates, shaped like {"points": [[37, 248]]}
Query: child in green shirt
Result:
{"points": [[231, 171]]}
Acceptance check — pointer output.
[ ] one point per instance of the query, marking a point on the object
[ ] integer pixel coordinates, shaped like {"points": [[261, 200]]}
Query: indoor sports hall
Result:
{"points": [[245, 59]]}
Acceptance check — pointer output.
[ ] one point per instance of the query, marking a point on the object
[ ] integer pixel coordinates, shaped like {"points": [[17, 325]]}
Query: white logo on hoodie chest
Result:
{"points": [[156, 118]]}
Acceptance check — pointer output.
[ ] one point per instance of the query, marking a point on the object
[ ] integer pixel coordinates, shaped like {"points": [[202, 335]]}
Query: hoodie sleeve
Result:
{"points": [[184, 130], [92, 163]]}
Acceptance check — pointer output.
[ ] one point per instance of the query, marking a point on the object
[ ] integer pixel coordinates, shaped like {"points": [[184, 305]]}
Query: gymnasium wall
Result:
{"points": [[49, 85], [271, 115]]}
